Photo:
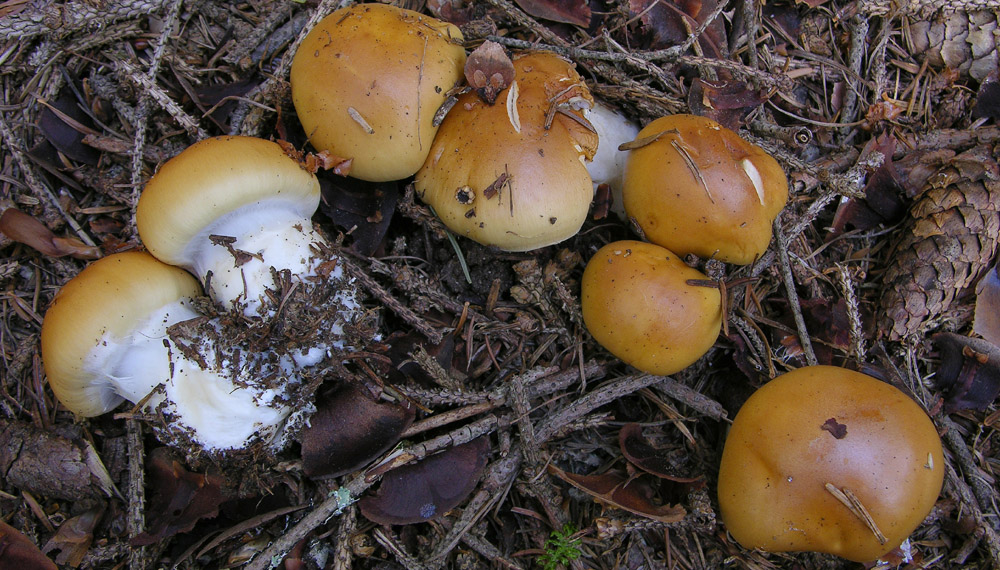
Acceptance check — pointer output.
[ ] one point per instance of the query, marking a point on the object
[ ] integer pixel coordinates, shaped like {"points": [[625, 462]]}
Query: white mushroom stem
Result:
{"points": [[608, 165], [239, 272], [216, 408], [236, 212]]}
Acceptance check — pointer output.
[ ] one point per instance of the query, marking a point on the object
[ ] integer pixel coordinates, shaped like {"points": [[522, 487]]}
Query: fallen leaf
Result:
{"points": [[969, 372], [17, 551], [576, 12], [987, 320], [25, 229], [836, 429], [489, 71], [429, 488], [988, 99], [884, 201], [362, 209], [633, 494], [180, 498], [349, 430], [655, 461], [727, 102], [666, 23], [64, 124], [74, 537]]}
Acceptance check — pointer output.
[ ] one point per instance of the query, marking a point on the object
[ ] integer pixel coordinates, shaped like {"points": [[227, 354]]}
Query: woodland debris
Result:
{"points": [[945, 245]]}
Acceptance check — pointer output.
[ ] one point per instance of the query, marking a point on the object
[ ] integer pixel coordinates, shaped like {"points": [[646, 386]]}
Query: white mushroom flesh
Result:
{"points": [[205, 402]]}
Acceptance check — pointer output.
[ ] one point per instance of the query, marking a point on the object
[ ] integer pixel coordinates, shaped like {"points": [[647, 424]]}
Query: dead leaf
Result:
{"points": [[836, 429], [429, 488], [17, 551], [633, 494], [884, 201], [575, 12], [74, 537], [180, 498], [987, 320], [969, 373], [727, 102], [655, 461], [349, 430], [988, 99], [64, 124], [489, 71], [25, 229], [666, 23], [362, 209]]}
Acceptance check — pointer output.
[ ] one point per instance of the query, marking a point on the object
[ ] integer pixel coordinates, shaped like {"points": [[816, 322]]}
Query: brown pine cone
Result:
{"points": [[966, 42], [945, 245]]}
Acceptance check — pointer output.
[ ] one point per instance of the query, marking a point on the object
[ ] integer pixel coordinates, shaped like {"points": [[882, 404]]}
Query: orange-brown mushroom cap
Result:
{"points": [[367, 82], [821, 429], [638, 304], [697, 187], [208, 181], [102, 305], [495, 173]]}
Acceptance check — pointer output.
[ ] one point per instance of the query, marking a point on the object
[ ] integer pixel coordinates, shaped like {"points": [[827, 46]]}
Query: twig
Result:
{"points": [[665, 55], [247, 120], [139, 141], [135, 522], [359, 483], [343, 554], [407, 314], [781, 248], [853, 312], [605, 394], [52, 18], [31, 179]]}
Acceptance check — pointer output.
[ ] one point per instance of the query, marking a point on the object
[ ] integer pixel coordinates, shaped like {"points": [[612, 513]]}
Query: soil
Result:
{"points": [[864, 104]]}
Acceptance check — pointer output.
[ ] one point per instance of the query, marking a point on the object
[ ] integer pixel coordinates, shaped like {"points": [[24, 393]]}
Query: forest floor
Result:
{"points": [[860, 101]]}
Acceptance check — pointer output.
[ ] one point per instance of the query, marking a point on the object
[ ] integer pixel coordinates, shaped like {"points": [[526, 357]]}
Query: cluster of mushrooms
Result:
{"points": [[818, 459]]}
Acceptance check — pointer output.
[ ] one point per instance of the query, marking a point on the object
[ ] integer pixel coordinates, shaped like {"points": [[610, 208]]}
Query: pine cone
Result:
{"points": [[966, 42], [945, 245]]}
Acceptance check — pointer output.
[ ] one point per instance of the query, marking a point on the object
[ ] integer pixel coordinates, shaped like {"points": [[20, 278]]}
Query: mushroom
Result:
{"points": [[608, 165], [513, 175], [367, 82], [639, 303], [694, 186], [830, 460], [107, 338], [235, 211]]}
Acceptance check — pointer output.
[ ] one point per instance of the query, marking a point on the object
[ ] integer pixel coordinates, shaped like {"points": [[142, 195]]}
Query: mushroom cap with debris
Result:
{"points": [[514, 174]]}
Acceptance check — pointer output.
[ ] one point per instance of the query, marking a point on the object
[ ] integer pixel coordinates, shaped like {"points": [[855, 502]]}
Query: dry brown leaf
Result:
{"points": [[633, 494], [25, 229]]}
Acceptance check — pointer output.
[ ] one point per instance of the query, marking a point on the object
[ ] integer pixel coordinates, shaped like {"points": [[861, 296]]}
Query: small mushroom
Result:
{"points": [[639, 304], [105, 339], [694, 186], [829, 460], [513, 175], [236, 212], [367, 82]]}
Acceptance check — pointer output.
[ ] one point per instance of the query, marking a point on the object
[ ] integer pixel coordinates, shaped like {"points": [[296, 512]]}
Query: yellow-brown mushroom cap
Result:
{"points": [[697, 187], [496, 175], [104, 303], [637, 303], [209, 180], [818, 426], [367, 82]]}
